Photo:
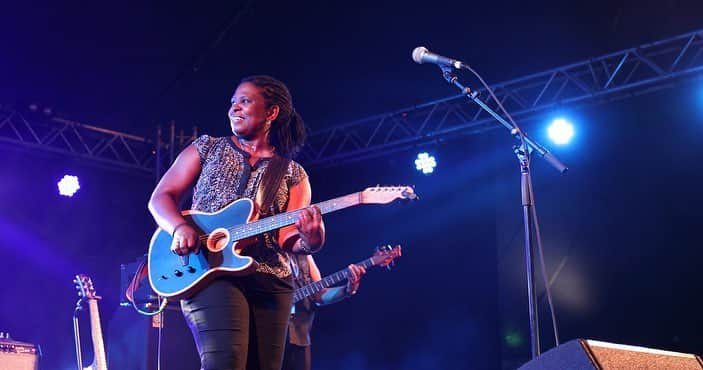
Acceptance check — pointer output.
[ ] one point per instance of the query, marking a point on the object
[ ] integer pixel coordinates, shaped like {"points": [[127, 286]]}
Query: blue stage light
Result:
{"points": [[425, 163], [68, 185], [561, 131]]}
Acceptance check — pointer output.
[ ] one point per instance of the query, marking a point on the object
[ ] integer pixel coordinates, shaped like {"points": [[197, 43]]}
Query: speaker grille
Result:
{"points": [[18, 356], [585, 354], [614, 356]]}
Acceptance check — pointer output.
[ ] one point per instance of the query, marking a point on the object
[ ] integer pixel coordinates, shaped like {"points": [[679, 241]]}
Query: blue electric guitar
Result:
{"points": [[222, 238]]}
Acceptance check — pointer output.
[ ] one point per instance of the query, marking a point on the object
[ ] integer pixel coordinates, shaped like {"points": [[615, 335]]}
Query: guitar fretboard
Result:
{"points": [[244, 231], [327, 281], [96, 332]]}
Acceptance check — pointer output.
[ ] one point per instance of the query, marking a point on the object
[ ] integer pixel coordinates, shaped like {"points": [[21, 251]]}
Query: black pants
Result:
{"points": [[240, 323], [297, 357]]}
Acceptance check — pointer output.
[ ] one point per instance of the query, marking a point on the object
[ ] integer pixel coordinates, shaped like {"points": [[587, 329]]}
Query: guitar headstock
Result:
{"points": [[387, 194], [85, 287], [385, 255]]}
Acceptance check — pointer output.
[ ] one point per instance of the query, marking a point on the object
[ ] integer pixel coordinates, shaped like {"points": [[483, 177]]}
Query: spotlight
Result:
{"points": [[68, 185], [561, 131], [425, 163]]}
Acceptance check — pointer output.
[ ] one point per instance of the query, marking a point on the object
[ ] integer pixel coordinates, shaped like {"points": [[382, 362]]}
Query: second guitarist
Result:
{"points": [[305, 271]]}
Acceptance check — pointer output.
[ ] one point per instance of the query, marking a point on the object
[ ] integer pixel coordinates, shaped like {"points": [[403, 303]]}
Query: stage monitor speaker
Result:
{"points": [[591, 354], [18, 356]]}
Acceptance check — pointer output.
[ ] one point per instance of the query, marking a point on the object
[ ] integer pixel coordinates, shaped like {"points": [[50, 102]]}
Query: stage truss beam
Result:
{"points": [[58, 135], [610, 77], [32, 130]]}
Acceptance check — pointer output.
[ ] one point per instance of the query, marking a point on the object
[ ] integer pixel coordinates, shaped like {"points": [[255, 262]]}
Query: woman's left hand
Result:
{"points": [[311, 228]]}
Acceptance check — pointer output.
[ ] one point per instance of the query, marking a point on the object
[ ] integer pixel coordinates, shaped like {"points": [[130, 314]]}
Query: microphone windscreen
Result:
{"points": [[418, 53]]}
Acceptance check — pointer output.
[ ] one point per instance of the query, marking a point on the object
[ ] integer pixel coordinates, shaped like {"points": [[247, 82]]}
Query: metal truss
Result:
{"points": [[63, 136], [114, 149], [610, 77]]}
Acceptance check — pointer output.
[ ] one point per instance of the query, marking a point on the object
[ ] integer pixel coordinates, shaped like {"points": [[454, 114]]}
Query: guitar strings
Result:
{"points": [[279, 220], [276, 222], [259, 224]]}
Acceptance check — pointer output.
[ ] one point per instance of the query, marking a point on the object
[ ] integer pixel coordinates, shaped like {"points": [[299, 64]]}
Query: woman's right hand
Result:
{"points": [[185, 240]]}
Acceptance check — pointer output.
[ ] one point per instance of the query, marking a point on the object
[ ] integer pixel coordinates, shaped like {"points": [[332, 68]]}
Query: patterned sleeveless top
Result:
{"points": [[227, 176]]}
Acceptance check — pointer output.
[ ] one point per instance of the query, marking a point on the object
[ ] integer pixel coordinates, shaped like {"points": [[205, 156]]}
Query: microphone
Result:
{"points": [[422, 55]]}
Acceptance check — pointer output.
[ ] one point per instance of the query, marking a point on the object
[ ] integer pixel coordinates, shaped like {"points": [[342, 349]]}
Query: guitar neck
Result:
{"points": [[288, 218], [327, 281], [96, 333]]}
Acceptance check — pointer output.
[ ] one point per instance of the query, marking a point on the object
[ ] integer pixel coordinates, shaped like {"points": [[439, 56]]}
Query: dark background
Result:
{"points": [[620, 229]]}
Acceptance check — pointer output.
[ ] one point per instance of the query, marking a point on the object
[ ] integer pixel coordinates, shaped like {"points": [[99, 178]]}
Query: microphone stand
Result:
{"points": [[529, 213]]}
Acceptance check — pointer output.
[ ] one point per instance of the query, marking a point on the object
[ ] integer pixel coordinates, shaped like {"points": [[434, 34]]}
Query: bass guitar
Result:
{"points": [[222, 234], [383, 257]]}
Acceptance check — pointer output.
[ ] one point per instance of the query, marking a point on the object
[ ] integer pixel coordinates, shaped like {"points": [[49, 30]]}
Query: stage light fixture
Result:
{"points": [[425, 163], [561, 131], [69, 185]]}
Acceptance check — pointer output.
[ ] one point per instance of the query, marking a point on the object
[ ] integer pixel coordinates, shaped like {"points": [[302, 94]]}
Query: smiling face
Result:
{"points": [[249, 112]]}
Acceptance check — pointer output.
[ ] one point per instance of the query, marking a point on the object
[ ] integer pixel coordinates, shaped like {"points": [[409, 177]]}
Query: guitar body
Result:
{"points": [[174, 276]]}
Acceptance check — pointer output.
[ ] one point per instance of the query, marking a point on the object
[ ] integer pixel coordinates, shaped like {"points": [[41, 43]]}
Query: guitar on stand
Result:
{"points": [[86, 292], [224, 235]]}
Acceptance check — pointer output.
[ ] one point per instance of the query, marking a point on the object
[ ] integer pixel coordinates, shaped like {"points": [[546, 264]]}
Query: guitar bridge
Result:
{"points": [[184, 260]]}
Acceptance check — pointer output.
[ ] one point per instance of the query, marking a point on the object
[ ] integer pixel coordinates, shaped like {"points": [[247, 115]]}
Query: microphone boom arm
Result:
{"points": [[515, 131]]}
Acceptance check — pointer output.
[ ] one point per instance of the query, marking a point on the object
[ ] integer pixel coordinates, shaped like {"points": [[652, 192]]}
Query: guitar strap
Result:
{"points": [[271, 181]]}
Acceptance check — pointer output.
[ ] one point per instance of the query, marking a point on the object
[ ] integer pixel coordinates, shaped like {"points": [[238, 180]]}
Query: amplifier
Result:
{"points": [[18, 355]]}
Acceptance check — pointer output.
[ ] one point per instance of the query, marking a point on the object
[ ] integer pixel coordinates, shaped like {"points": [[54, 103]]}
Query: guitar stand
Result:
{"points": [[77, 334]]}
